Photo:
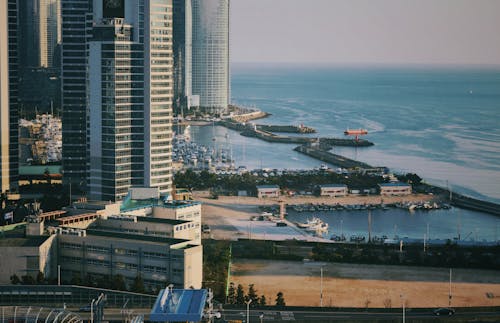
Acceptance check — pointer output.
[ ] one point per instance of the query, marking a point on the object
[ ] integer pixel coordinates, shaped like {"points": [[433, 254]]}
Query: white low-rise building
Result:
{"points": [[333, 190], [265, 191], [397, 188]]}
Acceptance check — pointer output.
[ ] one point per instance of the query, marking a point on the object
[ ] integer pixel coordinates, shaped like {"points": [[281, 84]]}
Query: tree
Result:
{"points": [[138, 285], [252, 295], [118, 283], [240, 295], [231, 294], [263, 301], [280, 301], [27, 280], [14, 279], [76, 279], [40, 278]]}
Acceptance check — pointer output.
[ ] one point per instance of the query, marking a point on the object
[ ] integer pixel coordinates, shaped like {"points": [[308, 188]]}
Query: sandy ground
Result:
{"points": [[346, 285], [352, 285]]}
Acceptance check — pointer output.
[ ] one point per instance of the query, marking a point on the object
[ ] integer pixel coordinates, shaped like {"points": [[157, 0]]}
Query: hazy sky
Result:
{"points": [[366, 31]]}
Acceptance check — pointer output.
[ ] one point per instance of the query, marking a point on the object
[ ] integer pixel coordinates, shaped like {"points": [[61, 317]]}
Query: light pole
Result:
{"points": [[248, 310], [92, 311], [321, 288], [261, 317], [403, 300]]}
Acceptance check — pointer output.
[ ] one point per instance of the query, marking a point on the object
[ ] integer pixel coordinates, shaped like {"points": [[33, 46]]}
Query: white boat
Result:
{"points": [[314, 224]]}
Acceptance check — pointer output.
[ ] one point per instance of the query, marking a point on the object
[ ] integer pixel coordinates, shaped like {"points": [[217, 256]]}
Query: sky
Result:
{"points": [[366, 31]]}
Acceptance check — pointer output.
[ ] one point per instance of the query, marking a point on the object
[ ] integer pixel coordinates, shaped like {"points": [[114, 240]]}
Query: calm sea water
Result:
{"points": [[441, 123]]}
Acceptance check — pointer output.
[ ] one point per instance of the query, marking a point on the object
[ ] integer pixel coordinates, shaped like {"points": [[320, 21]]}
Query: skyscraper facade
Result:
{"points": [[210, 75], [182, 49], [127, 100], [40, 32], [9, 133], [73, 84]]}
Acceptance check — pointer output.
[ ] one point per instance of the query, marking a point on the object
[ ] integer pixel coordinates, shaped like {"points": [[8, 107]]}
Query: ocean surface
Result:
{"points": [[442, 123]]}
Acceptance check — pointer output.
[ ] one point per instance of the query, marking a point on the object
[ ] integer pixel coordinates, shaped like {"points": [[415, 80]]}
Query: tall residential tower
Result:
{"points": [[210, 75], [127, 97]]}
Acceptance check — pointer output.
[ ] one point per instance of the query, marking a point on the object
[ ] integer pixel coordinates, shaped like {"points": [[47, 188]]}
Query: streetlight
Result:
{"points": [[92, 311], [261, 317], [403, 300], [248, 310]]}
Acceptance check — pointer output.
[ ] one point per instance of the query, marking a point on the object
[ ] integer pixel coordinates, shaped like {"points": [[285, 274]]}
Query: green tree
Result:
{"points": [[76, 279], [280, 301], [14, 279], [40, 278], [252, 294], [263, 301], [118, 283], [27, 280], [138, 285], [231, 294], [240, 295]]}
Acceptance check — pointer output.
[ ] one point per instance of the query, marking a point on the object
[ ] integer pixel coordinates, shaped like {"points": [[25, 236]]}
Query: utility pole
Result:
{"points": [[321, 288], [449, 295]]}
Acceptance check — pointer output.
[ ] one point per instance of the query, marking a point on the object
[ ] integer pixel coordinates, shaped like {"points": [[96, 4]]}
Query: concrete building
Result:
{"points": [[395, 189], [210, 52], [333, 190], [9, 133], [126, 103], [97, 240], [264, 191]]}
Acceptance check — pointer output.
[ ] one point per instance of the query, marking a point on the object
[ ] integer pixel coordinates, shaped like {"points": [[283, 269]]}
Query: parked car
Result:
{"points": [[205, 228], [444, 311]]}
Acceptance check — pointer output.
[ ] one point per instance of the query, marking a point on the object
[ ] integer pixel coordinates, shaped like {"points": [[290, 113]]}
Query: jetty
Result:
{"points": [[319, 152]]}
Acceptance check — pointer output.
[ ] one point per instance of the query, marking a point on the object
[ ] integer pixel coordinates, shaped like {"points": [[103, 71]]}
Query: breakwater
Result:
{"points": [[249, 130], [331, 158], [285, 128]]}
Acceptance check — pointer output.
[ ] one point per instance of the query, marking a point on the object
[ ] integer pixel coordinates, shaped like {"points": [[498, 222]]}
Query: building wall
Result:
{"points": [[4, 99], [274, 192], [210, 52], [22, 260], [333, 191], [157, 263], [188, 213], [182, 50], [395, 190], [193, 267]]}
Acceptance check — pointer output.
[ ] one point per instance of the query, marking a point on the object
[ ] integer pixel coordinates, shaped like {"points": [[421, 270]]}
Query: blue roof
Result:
{"points": [[393, 184], [179, 305]]}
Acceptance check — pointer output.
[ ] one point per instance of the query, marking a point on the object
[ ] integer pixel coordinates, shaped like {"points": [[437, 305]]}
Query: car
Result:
{"points": [[205, 228], [444, 311]]}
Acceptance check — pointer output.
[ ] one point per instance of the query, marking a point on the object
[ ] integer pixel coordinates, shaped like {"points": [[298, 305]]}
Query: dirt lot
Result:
{"points": [[351, 285], [343, 284]]}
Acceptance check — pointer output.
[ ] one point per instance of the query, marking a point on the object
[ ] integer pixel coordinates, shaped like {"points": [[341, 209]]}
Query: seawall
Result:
{"points": [[328, 157]]}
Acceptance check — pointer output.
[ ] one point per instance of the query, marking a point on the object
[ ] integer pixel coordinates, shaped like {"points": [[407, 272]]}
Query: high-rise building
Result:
{"points": [[40, 32], [126, 100], [210, 76], [9, 143], [73, 79], [182, 45]]}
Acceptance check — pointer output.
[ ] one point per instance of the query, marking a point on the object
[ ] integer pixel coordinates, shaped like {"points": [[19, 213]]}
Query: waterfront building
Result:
{"points": [[9, 143], [265, 191], [333, 190], [210, 54], [397, 188], [127, 98], [182, 51]]}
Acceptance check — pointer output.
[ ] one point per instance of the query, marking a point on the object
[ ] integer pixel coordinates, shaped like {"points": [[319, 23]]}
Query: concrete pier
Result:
{"points": [[328, 157]]}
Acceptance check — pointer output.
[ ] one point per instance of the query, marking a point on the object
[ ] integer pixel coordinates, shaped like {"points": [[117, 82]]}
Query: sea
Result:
{"points": [[441, 122]]}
